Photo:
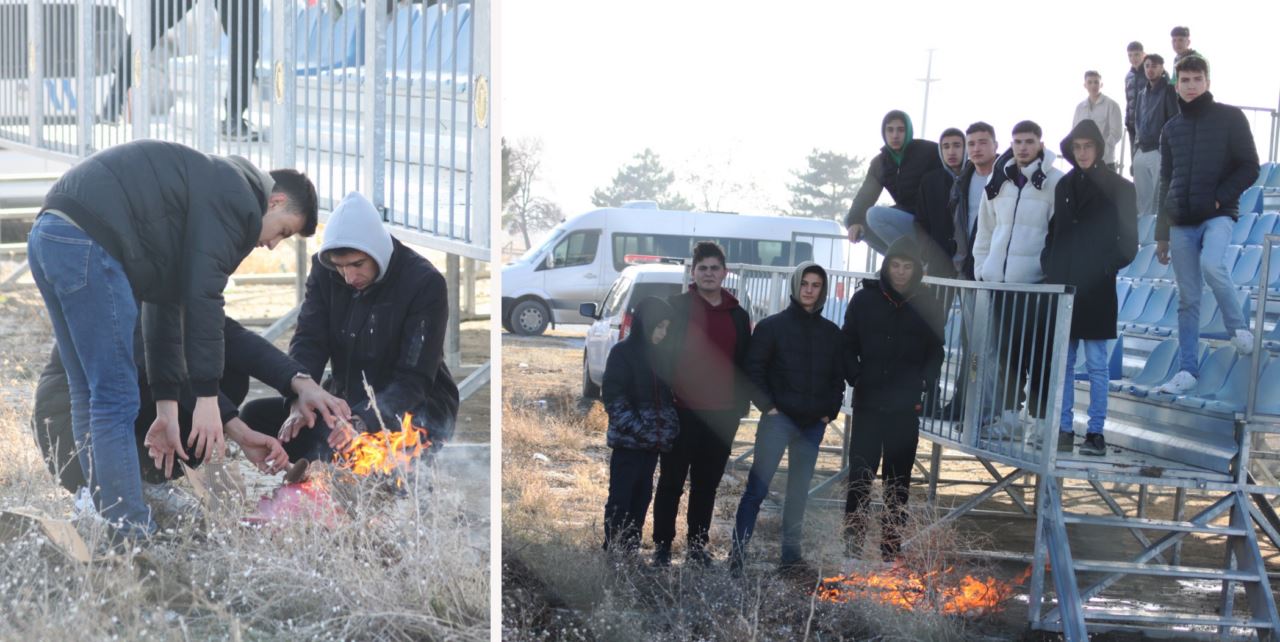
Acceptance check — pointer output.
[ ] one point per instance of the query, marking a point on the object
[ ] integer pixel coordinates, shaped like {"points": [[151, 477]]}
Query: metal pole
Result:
{"points": [[927, 80], [207, 76], [1268, 242], [140, 105], [35, 70], [84, 77], [374, 100], [452, 337]]}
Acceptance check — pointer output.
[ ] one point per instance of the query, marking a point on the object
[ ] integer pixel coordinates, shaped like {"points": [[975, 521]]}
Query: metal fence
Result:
{"points": [[1260, 438], [390, 99]]}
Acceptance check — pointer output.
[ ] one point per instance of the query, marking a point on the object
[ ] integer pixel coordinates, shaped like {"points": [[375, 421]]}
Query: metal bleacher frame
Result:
{"points": [[417, 141], [1237, 490]]}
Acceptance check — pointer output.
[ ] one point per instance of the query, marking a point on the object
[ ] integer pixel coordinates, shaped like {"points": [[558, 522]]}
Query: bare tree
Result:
{"points": [[522, 210]]}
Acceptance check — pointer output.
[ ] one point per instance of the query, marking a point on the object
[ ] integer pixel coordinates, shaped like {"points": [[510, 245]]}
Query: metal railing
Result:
{"points": [[1260, 434], [391, 99], [1004, 362]]}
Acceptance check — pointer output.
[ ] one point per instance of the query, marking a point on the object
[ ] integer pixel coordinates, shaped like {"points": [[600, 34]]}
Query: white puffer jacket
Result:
{"points": [[1012, 222]]}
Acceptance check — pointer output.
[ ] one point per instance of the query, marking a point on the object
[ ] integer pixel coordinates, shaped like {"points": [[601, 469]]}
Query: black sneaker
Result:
{"points": [[698, 556], [1094, 444], [239, 130], [1066, 441], [662, 555]]}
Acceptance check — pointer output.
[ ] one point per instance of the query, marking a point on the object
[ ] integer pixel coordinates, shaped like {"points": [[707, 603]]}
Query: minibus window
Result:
{"points": [[579, 248]]}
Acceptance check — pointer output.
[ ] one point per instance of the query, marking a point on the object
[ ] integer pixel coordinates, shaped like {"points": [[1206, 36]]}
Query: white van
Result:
{"points": [[583, 256]]}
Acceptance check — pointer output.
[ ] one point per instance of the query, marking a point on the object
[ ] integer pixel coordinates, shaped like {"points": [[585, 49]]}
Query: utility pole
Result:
{"points": [[927, 80]]}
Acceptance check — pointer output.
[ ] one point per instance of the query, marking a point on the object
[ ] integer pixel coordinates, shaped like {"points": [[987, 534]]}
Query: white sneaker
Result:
{"points": [[1180, 384], [1243, 341]]}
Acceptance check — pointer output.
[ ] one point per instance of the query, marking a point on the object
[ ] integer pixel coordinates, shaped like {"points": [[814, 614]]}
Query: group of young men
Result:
{"points": [[131, 253], [961, 210], [678, 386], [1017, 219]]}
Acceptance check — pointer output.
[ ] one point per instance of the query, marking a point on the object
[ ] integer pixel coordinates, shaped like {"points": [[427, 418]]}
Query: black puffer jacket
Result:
{"points": [[893, 342], [180, 222], [1157, 103], [392, 332], [1207, 160], [796, 359], [1093, 234], [642, 413], [902, 179], [936, 219]]}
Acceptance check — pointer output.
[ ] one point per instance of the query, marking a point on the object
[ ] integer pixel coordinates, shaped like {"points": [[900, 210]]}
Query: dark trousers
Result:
{"points": [[886, 441], [699, 454], [266, 416], [630, 491], [1025, 348], [240, 20]]}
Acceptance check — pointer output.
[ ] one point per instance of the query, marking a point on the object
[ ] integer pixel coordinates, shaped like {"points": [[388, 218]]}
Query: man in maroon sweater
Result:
{"points": [[710, 334]]}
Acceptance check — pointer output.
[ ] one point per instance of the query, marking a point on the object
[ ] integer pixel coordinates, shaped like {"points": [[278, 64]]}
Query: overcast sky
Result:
{"points": [[749, 88]]}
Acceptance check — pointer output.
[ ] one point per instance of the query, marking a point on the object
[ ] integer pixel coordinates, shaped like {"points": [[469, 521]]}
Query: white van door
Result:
{"points": [[573, 274]]}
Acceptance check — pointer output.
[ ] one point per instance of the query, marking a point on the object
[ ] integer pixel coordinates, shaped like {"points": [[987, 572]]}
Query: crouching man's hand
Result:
{"points": [[263, 451], [313, 399], [163, 440]]}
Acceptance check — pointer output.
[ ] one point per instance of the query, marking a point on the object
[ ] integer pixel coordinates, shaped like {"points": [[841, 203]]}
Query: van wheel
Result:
{"points": [[530, 317], [506, 323], [589, 389]]}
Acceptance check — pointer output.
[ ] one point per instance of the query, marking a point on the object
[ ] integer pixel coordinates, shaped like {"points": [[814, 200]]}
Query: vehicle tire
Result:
{"points": [[506, 323], [530, 317], [589, 389]]}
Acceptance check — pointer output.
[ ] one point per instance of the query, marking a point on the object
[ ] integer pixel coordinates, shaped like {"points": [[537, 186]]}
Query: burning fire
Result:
{"points": [[384, 451], [939, 591]]}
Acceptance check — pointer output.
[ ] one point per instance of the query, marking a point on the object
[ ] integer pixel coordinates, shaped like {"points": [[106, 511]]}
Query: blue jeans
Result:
{"points": [[775, 434], [888, 224], [93, 312], [1095, 362], [1198, 253]]}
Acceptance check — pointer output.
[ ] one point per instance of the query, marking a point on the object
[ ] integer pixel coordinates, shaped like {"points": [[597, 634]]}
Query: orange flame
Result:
{"points": [[938, 591], [384, 451]]}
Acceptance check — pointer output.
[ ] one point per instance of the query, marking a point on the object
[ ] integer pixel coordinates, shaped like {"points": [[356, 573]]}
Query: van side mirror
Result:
{"points": [[587, 310]]}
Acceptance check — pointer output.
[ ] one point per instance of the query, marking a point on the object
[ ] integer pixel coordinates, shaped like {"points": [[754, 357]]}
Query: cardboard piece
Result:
{"points": [[60, 533], [218, 486]]}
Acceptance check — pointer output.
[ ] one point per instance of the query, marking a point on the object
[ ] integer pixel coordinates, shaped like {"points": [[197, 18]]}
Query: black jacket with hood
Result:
{"points": [[796, 360], [893, 340], [934, 214], [179, 221], [964, 224], [642, 413], [1092, 236], [900, 173], [1207, 160], [391, 333]]}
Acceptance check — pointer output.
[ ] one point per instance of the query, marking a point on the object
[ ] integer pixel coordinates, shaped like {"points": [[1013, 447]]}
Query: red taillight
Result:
{"points": [[840, 290], [626, 326]]}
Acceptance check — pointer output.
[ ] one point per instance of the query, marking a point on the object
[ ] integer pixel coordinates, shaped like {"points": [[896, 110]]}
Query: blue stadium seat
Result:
{"points": [[1233, 394], [1245, 271], [1213, 374], [434, 44], [1265, 225], [1274, 179], [333, 44], [1122, 290], [1243, 225], [1142, 261], [1160, 365], [1158, 270], [1265, 172], [1163, 296], [1167, 325], [1115, 361], [1146, 229], [1251, 200], [1211, 325], [1134, 303], [1269, 388]]}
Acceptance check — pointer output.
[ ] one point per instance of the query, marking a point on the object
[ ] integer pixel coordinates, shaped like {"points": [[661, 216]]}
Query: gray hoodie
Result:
{"points": [[356, 224]]}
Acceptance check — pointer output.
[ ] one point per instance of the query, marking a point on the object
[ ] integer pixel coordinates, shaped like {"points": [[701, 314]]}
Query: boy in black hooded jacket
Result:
{"points": [[893, 351], [642, 421]]}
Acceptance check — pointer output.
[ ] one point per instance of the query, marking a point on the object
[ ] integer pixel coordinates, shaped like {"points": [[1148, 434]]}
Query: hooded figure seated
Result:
{"points": [[375, 312]]}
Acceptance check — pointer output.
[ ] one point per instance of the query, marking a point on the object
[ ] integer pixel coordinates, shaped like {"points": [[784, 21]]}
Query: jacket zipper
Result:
{"points": [[1004, 272]]}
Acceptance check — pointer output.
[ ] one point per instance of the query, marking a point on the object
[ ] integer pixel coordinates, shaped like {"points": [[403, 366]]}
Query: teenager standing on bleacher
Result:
{"points": [[1092, 235], [1207, 160]]}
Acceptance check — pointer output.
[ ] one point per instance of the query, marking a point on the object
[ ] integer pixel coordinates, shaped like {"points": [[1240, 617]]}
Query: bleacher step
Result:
{"points": [[1165, 570], [1177, 619], [1149, 524]]}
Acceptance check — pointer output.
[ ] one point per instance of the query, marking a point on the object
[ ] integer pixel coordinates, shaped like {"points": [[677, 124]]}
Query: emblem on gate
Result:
{"points": [[279, 82], [482, 102]]}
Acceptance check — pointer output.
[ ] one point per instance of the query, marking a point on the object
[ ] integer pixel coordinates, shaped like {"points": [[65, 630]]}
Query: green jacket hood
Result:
{"points": [[897, 114]]}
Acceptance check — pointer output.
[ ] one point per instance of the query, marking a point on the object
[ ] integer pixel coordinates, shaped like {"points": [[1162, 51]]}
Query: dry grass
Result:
{"points": [[558, 584], [411, 568]]}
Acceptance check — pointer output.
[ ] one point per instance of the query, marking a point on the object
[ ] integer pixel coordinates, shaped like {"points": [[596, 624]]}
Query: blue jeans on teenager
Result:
{"points": [[93, 312], [778, 433], [1198, 253], [888, 224], [1095, 363]]}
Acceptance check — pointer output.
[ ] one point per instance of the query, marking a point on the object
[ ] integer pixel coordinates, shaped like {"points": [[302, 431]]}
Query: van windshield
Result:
{"points": [[538, 250]]}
